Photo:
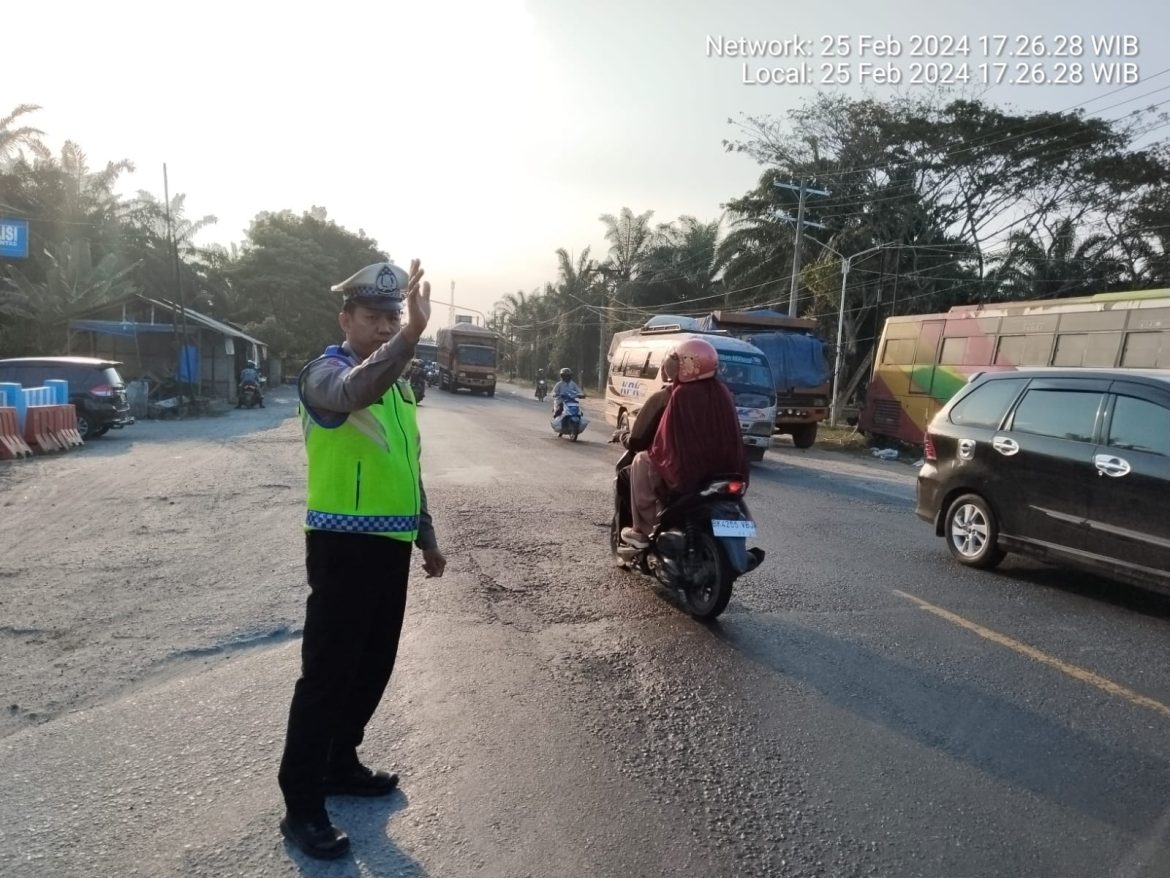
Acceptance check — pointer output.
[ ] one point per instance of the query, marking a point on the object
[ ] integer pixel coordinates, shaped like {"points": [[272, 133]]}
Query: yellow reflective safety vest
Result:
{"points": [[364, 469]]}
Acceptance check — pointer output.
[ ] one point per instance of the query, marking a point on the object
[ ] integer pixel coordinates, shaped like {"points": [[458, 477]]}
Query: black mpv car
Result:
{"points": [[1068, 465], [96, 390]]}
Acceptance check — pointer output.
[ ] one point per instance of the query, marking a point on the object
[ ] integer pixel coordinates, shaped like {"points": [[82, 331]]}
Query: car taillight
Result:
{"points": [[102, 390], [928, 450]]}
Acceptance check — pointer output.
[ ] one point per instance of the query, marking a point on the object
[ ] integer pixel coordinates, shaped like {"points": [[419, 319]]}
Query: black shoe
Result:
{"points": [[315, 835], [261, 405], [360, 781]]}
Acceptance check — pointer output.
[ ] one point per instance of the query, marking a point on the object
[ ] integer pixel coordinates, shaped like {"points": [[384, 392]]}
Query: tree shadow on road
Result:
{"points": [[1107, 780]]}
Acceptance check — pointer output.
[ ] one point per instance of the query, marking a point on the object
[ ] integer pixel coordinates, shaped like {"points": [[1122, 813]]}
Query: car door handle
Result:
{"points": [[1005, 446], [1110, 465]]}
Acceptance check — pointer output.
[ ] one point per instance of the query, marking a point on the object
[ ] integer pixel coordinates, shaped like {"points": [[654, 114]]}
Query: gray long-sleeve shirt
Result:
{"points": [[332, 389]]}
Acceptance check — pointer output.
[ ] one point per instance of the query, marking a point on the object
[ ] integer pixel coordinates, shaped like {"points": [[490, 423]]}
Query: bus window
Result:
{"points": [[1097, 349], [899, 352], [925, 354], [1023, 350], [954, 352], [618, 364], [1101, 349], [1146, 350], [1070, 350], [980, 350]]}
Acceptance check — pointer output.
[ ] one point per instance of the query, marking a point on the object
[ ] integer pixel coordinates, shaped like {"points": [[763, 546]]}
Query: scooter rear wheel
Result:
{"points": [[710, 578]]}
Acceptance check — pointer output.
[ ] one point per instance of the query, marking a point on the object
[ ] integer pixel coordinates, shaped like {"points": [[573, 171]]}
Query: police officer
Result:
{"points": [[366, 506]]}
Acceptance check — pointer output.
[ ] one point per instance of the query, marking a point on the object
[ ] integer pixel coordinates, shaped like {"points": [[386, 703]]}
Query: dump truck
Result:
{"points": [[467, 358]]}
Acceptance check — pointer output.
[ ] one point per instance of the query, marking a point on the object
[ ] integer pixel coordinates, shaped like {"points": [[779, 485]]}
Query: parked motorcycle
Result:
{"points": [[699, 544], [250, 395], [541, 389], [571, 421]]}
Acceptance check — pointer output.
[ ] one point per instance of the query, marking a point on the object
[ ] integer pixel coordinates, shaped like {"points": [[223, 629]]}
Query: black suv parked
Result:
{"points": [[96, 389], [1071, 466]]}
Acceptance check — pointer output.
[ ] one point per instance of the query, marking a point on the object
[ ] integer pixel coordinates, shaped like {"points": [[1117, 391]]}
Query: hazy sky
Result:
{"points": [[481, 136]]}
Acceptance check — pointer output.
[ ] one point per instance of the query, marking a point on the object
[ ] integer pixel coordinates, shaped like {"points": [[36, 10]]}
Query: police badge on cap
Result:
{"points": [[381, 286]]}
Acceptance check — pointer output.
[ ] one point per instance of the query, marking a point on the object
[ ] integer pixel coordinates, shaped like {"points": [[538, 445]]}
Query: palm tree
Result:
{"points": [[681, 267], [13, 139], [1064, 266], [630, 239]]}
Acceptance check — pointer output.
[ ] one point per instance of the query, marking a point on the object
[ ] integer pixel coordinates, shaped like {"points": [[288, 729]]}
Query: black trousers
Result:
{"points": [[353, 620]]}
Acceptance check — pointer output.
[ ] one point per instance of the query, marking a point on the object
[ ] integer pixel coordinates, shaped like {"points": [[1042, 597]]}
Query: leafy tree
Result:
{"points": [[284, 271]]}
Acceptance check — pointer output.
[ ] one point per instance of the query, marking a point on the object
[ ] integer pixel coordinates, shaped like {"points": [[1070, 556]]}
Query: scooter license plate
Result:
{"points": [[721, 527]]}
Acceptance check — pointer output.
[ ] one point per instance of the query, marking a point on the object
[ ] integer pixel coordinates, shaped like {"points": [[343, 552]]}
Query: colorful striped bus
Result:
{"points": [[923, 359]]}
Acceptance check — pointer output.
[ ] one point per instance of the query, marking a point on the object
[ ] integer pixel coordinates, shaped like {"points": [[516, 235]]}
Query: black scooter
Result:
{"points": [[541, 389], [250, 396], [418, 386], [699, 544]]}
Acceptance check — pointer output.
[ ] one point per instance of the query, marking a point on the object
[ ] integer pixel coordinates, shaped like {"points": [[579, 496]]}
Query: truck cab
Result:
{"points": [[467, 358]]}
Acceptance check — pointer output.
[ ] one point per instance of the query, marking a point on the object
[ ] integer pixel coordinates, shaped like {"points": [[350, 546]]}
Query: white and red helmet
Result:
{"points": [[697, 359]]}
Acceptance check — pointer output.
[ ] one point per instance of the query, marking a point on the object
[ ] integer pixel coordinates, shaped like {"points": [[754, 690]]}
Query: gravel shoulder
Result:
{"points": [[108, 576]]}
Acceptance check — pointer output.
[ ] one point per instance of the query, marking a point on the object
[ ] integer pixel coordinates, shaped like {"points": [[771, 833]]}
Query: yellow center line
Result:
{"points": [[1102, 683]]}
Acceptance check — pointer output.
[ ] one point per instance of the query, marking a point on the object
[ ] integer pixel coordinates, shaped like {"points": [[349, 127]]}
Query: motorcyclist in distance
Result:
{"points": [[566, 387], [250, 375]]}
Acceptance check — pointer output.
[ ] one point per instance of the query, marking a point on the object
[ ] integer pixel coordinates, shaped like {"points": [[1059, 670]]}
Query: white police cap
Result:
{"points": [[381, 286]]}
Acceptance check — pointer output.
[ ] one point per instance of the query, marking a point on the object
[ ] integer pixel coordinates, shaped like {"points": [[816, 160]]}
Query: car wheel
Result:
{"points": [[99, 432], [623, 423], [85, 428], [755, 453], [972, 532]]}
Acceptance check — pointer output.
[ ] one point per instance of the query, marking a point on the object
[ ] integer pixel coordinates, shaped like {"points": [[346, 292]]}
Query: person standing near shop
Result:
{"points": [[366, 508]]}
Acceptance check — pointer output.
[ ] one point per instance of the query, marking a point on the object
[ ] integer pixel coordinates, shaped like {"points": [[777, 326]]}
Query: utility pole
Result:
{"points": [[846, 264], [185, 365], [451, 310], [803, 190], [604, 319], [601, 350]]}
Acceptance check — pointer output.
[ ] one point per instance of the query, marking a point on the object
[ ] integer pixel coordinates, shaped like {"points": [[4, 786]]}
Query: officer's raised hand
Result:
{"points": [[418, 300]]}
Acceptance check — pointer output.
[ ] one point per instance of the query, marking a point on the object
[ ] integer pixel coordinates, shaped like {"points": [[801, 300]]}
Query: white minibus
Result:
{"points": [[635, 358]]}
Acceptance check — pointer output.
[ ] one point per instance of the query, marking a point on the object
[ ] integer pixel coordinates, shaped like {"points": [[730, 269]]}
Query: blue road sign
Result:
{"points": [[14, 238]]}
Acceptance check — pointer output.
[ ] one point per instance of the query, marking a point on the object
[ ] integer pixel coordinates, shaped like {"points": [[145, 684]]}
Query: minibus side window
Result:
{"points": [[634, 364], [651, 370]]}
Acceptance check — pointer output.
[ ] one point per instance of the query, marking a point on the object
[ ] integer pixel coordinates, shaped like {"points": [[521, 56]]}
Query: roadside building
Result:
{"points": [[163, 344]]}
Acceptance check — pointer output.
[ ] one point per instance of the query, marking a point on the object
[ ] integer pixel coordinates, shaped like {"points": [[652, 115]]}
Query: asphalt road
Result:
{"points": [[864, 707]]}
